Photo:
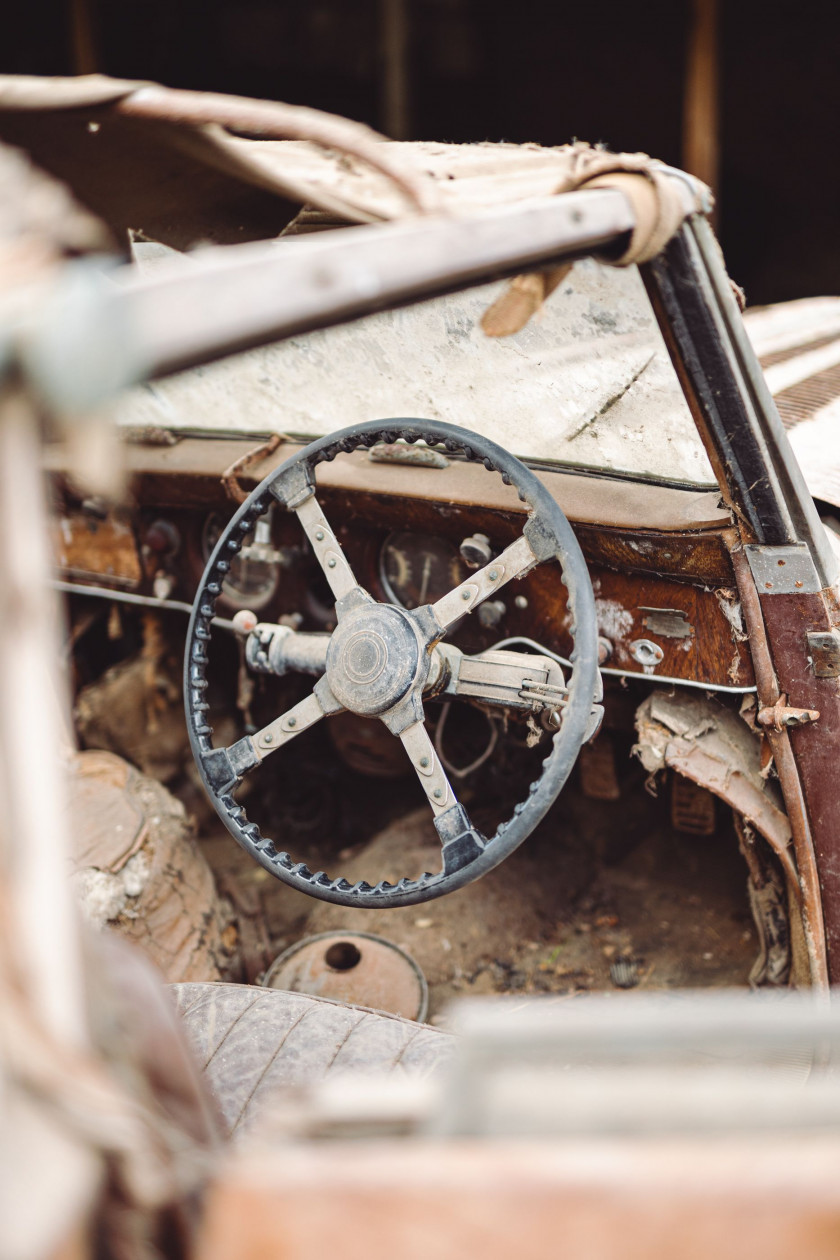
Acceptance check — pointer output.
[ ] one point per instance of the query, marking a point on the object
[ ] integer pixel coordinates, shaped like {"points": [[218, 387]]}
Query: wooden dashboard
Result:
{"points": [[658, 555]]}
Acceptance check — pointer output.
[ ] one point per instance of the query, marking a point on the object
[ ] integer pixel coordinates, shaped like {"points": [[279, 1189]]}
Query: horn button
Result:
{"points": [[373, 659]]}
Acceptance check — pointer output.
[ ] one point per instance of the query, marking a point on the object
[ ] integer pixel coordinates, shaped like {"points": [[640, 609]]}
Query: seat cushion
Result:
{"points": [[252, 1042]]}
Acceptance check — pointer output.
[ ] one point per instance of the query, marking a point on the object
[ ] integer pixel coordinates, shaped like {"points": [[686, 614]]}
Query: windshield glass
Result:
{"points": [[587, 383]]}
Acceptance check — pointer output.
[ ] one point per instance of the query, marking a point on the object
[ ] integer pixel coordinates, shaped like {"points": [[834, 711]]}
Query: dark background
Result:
{"points": [[524, 70]]}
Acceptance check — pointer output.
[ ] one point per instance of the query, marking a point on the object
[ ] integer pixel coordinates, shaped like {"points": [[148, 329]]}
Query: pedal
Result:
{"points": [[598, 777], [692, 807]]}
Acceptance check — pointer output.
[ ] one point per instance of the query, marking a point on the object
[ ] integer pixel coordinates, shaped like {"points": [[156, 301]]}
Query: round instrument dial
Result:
{"points": [[251, 582], [417, 569]]}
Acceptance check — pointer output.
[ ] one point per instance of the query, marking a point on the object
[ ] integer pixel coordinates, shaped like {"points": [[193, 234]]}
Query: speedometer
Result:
{"points": [[417, 569]]}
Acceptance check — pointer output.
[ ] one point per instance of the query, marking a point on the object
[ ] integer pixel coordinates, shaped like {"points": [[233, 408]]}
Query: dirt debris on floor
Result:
{"points": [[600, 897]]}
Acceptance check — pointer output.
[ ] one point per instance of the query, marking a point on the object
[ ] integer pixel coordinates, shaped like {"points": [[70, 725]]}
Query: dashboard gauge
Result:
{"points": [[417, 569], [254, 573]]}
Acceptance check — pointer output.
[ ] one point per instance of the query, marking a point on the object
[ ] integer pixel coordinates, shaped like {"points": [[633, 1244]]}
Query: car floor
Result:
{"points": [[604, 895]]}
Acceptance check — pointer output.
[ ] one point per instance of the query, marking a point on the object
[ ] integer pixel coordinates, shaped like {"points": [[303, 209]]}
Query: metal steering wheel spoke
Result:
{"points": [[461, 843], [327, 548], [421, 752], [514, 562], [295, 721], [224, 768]]}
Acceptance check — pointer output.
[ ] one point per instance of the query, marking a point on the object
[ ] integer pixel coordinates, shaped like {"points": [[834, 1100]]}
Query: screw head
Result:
{"points": [[292, 721], [437, 794], [493, 575], [268, 738], [319, 535], [465, 594], [424, 761], [331, 562]]}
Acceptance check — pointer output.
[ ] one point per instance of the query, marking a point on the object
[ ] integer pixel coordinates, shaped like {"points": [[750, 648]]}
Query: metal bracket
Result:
{"points": [[670, 623], [784, 570], [824, 650], [293, 486]]}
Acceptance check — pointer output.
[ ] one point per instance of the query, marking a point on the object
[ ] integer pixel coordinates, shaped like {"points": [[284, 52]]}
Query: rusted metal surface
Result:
{"points": [[596, 768], [415, 456], [230, 477], [353, 967], [769, 902], [692, 807], [782, 715], [824, 650], [88, 547], [788, 771], [758, 474], [814, 746]]}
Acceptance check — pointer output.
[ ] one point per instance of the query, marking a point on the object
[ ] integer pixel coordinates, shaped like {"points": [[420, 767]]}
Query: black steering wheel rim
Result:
{"points": [[550, 537]]}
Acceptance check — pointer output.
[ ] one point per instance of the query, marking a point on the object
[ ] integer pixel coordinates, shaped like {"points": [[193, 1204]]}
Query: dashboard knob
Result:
{"points": [[475, 550], [491, 613], [244, 621]]}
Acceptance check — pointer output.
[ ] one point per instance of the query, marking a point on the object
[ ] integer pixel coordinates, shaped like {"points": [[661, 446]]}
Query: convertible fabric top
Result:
{"points": [[132, 151]]}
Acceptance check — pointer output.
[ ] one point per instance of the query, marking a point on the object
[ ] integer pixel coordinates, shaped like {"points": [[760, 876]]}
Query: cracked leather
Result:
{"points": [[252, 1043]]}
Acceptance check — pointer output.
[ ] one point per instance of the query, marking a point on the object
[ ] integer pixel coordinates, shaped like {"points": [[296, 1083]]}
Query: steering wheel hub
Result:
{"points": [[373, 659]]}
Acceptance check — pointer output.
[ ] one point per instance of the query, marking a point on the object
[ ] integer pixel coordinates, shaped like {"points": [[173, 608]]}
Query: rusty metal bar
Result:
{"points": [[803, 841]]}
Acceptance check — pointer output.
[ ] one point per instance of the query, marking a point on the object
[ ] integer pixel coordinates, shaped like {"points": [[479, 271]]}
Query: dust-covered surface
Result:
{"points": [[603, 895], [138, 870], [136, 710], [717, 748], [588, 383]]}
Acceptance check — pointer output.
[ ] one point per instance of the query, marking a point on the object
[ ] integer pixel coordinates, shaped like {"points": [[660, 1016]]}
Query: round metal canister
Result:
{"points": [[355, 967]]}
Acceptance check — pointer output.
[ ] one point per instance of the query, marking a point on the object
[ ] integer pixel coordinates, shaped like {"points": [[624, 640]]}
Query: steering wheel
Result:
{"points": [[381, 658]]}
